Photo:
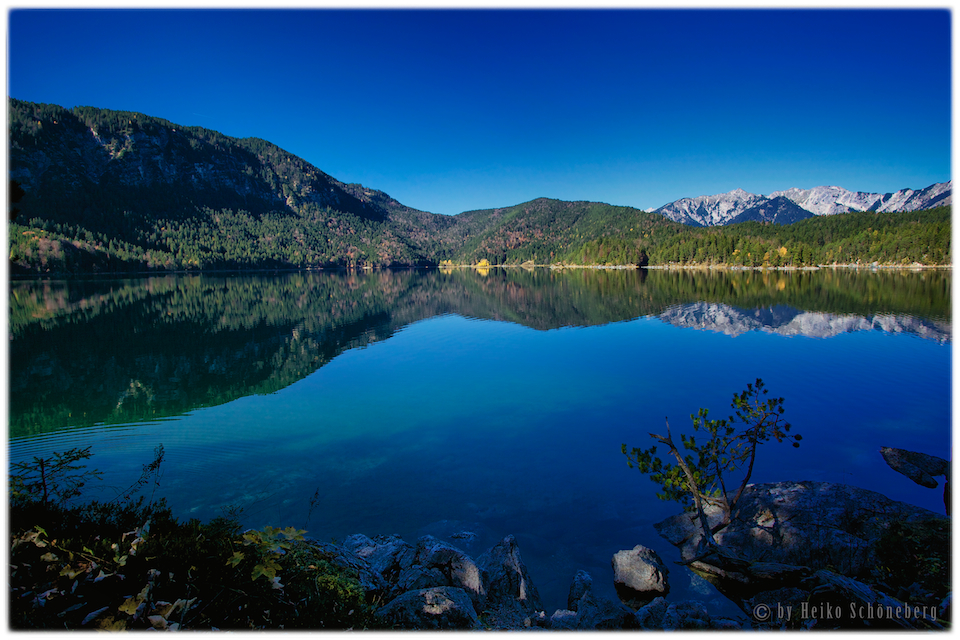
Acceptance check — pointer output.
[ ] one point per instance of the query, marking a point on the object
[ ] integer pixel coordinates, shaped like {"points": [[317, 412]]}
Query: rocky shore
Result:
{"points": [[808, 556], [432, 585]]}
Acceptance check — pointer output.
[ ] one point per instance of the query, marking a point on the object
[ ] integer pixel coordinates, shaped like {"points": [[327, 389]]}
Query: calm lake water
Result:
{"points": [[495, 402]]}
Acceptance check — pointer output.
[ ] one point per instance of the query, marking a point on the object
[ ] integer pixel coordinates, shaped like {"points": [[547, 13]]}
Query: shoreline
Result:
{"points": [[527, 266], [717, 267]]}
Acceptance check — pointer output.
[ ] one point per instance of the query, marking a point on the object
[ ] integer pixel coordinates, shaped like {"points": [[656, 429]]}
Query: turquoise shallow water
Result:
{"points": [[451, 422]]}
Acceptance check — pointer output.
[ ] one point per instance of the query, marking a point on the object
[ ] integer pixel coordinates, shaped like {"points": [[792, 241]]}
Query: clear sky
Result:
{"points": [[454, 110]]}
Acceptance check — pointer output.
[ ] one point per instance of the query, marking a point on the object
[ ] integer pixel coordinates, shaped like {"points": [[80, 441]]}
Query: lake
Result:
{"points": [[492, 401]]}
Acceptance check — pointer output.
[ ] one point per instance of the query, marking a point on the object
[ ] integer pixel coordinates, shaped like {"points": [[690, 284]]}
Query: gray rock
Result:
{"points": [[651, 615], [777, 599], [684, 530], [639, 576], [804, 524], [919, 467], [726, 624], [508, 584], [604, 614], [582, 583], [418, 577], [387, 555], [686, 615], [433, 608], [849, 595], [563, 619], [356, 541], [594, 614], [337, 555], [458, 569]]}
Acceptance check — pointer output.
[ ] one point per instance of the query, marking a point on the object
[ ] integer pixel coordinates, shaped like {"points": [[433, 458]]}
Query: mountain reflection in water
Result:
{"points": [[787, 321], [91, 351]]}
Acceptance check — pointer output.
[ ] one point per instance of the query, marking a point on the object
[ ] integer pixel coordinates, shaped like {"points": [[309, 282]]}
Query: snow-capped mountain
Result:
{"points": [[739, 206], [708, 211]]}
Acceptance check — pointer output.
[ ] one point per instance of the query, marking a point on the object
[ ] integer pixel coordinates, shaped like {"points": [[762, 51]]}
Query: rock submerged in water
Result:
{"points": [[919, 467], [922, 468]]}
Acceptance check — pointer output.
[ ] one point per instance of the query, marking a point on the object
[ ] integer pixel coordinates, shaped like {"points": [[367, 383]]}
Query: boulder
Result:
{"points": [[686, 615], [859, 606], [418, 577], [339, 556], [604, 614], [387, 555], [429, 609], [509, 588], [684, 530], [650, 616], [582, 583], [727, 624], [790, 526], [456, 567], [919, 467], [639, 576], [563, 620], [587, 611]]}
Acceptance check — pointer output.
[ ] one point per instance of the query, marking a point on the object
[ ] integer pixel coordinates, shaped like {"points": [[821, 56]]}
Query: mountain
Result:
{"points": [[830, 200], [779, 210], [786, 207], [708, 211], [134, 191], [72, 157], [117, 191]]}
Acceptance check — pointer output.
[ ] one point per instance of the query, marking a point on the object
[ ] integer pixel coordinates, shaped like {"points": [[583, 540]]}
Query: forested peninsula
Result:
{"points": [[94, 190]]}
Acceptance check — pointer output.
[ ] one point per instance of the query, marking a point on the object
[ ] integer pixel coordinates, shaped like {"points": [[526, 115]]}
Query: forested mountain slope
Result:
{"points": [[145, 192], [119, 191]]}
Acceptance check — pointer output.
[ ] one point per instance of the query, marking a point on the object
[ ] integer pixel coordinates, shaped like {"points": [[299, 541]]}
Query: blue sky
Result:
{"points": [[454, 110]]}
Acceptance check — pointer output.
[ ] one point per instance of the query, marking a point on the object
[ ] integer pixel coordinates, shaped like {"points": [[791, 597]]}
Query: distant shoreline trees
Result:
{"points": [[228, 239]]}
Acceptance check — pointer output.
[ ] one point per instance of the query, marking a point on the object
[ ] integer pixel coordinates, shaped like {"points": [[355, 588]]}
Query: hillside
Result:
{"points": [[135, 191], [113, 191]]}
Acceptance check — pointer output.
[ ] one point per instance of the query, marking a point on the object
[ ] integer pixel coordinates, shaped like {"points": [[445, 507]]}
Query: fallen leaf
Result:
{"points": [[130, 606], [91, 616], [110, 624], [157, 622]]}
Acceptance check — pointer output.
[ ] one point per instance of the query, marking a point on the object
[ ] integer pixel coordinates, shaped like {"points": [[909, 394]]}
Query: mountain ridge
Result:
{"points": [[123, 191], [740, 206]]}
